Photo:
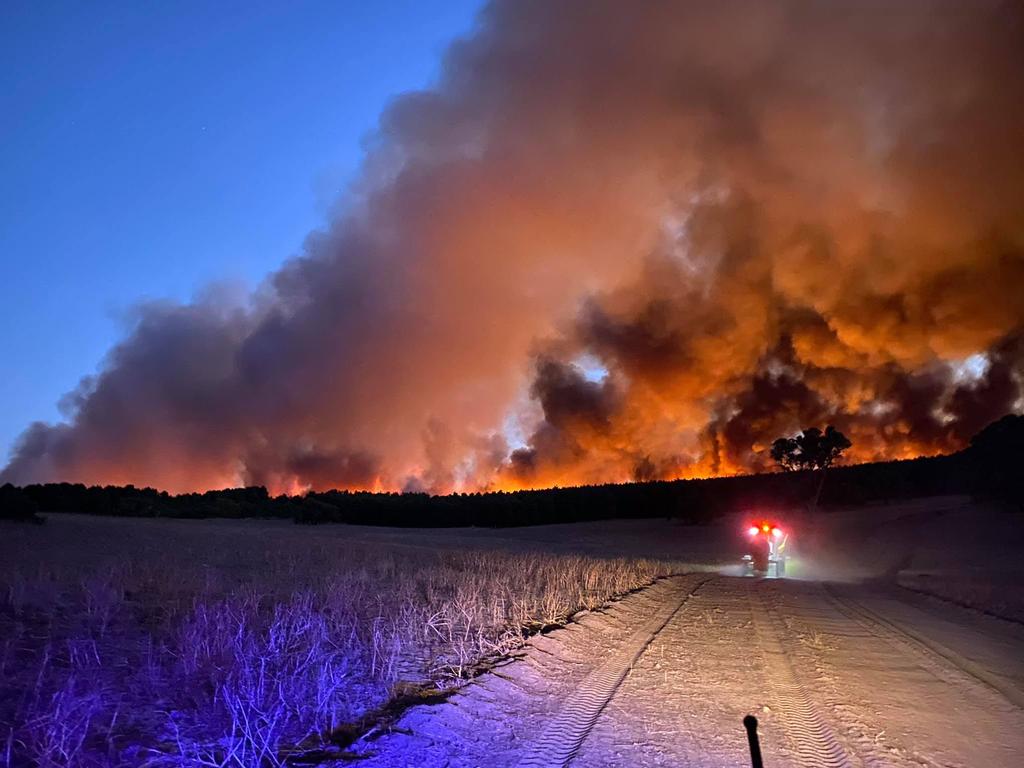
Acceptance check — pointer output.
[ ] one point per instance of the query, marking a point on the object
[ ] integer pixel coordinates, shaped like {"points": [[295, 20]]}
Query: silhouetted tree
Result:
{"points": [[995, 456], [1001, 442], [16, 505], [812, 450]]}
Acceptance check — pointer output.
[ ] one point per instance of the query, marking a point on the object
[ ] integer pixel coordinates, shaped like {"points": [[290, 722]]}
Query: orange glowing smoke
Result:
{"points": [[616, 243]]}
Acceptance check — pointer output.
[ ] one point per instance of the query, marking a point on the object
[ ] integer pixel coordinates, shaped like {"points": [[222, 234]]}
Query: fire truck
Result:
{"points": [[767, 555]]}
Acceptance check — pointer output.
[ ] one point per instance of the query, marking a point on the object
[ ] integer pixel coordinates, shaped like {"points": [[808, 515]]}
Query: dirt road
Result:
{"points": [[838, 675]]}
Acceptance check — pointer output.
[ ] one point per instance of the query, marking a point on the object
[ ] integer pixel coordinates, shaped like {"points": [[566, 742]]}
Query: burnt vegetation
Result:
{"points": [[988, 469]]}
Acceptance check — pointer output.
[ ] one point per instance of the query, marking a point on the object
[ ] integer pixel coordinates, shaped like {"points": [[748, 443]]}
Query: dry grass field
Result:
{"points": [[217, 643]]}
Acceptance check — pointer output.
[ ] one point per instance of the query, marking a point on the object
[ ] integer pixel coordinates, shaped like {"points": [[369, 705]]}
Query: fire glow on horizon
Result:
{"points": [[613, 246]]}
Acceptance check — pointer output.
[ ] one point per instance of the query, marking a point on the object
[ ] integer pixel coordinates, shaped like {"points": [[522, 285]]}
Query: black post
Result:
{"points": [[750, 723]]}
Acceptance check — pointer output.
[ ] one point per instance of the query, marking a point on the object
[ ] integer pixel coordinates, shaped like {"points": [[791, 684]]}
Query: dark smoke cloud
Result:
{"points": [[754, 216], [577, 414]]}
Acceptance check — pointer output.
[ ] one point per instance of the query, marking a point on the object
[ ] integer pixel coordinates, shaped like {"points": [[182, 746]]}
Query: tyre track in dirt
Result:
{"points": [[495, 719], [665, 676], [683, 701], [942, 661], [807, 730], [730, 653], [853, 732], [889, 698], [561, 740]]}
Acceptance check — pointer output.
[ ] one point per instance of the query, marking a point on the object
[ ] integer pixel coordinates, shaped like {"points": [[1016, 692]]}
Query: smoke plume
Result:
{"points": [[616, 241]]}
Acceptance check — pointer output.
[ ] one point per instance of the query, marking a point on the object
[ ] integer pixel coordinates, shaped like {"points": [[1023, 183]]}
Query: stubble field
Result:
{"points": [[217, 643]]}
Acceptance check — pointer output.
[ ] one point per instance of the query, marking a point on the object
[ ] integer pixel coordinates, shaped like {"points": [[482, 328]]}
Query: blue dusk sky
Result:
{"points": [[149, 148]]}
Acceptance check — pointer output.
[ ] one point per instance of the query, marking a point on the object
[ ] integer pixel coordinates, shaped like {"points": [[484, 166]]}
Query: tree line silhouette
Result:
{"points": [[990, 468]]}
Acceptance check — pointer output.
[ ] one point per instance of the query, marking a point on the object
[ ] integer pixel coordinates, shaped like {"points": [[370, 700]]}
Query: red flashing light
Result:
{"points": [[753, 530], [776, 532]]}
